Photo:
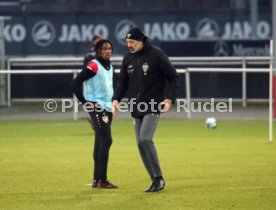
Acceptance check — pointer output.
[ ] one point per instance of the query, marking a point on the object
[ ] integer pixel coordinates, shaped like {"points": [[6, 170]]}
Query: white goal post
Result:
{"points": [[271, 91]]}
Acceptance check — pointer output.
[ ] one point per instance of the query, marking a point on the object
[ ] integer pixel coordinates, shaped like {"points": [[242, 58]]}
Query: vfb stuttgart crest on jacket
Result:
{"points": [[145, 67]]}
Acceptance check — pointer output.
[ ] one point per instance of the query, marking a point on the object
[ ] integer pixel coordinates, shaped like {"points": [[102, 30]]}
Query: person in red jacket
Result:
{"points": [[150, 80]]}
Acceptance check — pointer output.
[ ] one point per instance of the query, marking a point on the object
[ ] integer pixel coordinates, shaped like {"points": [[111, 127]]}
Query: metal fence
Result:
{"points": [[184, 65]]}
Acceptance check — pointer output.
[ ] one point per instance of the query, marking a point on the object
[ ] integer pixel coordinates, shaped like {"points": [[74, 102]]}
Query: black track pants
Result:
{"points": [[103, 140]]}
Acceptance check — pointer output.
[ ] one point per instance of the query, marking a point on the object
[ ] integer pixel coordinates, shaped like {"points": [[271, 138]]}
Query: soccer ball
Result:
{"points": [[211, 123]]}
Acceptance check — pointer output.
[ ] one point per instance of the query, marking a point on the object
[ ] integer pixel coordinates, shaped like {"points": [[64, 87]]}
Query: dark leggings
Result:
{"points": [[103, 140]]}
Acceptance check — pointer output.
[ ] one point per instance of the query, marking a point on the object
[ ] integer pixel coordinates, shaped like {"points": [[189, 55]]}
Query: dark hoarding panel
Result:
{"points": [[69, 34]]}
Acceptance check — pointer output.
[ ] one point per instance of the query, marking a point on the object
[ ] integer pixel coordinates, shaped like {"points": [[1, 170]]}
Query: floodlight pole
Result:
{"points": [[254, 16], [3, 95], [2, 44], [2, 62]]}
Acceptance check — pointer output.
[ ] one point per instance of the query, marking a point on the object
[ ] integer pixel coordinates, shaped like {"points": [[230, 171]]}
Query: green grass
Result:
{"points": [[48, 165]]}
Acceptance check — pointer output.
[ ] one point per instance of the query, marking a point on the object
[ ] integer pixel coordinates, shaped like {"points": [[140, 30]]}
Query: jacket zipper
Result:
{"points": [[138, 61]]}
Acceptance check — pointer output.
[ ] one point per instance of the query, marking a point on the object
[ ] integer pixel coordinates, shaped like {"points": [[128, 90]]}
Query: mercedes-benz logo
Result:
{"points": [[43, 33], [121, 30], [207, 28], [221, 48]]}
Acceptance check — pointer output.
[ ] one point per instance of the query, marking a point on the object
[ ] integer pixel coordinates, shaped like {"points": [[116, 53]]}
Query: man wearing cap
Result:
{"points": [[150, 81]]}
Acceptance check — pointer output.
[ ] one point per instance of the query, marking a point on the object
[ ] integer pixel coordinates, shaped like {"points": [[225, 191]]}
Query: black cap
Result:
{"points": [[136, 34]]}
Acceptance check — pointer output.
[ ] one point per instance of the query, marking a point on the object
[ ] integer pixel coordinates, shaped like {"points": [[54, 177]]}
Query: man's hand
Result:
{"points": [[167, 105], [115, 106]]}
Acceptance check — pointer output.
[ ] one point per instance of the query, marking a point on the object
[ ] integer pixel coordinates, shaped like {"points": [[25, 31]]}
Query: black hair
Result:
{"points": [[99, 46]]}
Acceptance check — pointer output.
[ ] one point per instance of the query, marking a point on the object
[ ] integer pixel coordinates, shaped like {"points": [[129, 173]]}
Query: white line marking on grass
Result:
{"points": [[252, 187], [110, 193], [86, 196], [121, 189]]}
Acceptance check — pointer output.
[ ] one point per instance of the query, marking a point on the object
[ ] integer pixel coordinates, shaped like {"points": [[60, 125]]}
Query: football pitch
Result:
{"points": [[48, 165]]}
